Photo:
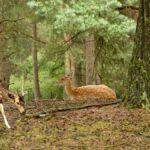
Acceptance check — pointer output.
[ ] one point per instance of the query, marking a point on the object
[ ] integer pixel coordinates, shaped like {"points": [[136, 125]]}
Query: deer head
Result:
{"points": [[18, 101], [65, 79]]}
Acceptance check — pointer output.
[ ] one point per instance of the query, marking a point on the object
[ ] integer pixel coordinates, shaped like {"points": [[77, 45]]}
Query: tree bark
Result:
{"points": [[5, 73], [90, 59], [36, 87], [5, 65], [69, 60], [138, 89], [78, 74]]}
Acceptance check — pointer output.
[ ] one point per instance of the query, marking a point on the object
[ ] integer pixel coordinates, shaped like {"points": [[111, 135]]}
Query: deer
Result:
{"points": [[88, 92], [17, 99]]}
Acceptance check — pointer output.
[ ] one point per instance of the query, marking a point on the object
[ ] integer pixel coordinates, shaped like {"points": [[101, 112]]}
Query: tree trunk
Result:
{"points": [[37, 93], [69, 60], [90, 59], [138, 90], [5, 74], [78, 74], [5, 65]]}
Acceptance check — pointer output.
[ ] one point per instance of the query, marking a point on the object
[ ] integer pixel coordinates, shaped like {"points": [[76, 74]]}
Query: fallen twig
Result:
{"points": [[73, 105]]}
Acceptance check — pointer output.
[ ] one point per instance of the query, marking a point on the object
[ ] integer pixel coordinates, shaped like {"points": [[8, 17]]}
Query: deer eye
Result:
{"points": [[18, 103]]}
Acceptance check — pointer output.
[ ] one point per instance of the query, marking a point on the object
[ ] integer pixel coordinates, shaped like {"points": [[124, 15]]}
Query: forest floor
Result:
{"points": [[97, 128]]}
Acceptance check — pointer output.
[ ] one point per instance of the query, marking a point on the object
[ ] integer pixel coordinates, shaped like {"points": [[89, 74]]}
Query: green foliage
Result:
{"points": [[101, 18], [94, 16], [49, 89], [54, 17], [50, 69], [49, 72]]}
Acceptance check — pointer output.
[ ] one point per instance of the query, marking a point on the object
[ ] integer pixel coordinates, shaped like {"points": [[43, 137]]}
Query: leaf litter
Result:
{"points": [[96, 128]]}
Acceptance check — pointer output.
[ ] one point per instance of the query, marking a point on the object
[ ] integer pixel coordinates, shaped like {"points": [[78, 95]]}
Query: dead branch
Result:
{"points": [[63, 44], [129, 7], [30, 36], [70, 105], [9, 55]]}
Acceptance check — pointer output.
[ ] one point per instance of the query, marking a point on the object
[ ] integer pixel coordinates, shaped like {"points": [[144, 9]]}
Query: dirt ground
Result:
{"points": [[97, 128]]}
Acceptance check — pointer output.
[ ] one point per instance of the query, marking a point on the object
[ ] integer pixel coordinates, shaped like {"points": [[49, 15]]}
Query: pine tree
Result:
{"points": [[138, 90]]}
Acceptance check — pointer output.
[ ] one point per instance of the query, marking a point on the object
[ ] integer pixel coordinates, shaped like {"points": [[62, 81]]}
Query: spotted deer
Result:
{"points": [[17, 99], [86, 92]]}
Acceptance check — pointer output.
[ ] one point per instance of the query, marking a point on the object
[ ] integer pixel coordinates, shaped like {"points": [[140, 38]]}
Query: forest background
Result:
{"points": [[43, 40]]}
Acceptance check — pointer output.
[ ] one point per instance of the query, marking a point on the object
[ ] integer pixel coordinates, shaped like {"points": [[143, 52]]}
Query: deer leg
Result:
{"points": [[4, 116]]}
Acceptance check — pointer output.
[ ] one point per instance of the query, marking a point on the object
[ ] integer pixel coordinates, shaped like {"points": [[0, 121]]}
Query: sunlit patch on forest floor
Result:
{"points": [[97, 128]]}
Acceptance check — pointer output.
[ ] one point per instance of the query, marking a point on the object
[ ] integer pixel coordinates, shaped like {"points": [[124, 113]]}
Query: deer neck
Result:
{"points": [[4, 94], [69, 88]]}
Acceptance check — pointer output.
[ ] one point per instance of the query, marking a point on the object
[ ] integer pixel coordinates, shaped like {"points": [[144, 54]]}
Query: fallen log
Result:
{"points": [[70, 105]]}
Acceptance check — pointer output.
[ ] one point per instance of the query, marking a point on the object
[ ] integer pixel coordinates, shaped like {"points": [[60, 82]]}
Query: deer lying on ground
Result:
{"points": [[17, 99], [86, 92]]}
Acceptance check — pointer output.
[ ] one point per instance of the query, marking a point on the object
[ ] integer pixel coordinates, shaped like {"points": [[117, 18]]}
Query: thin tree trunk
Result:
{"points": [[138, 90], [5, 65], [37, 93], [78, 74], [90, 58], [5, 73], [69, 60], [70, 64]]}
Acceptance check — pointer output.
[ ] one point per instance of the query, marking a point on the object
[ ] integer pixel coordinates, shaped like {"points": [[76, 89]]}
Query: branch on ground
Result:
{"points": [[70, 105]]}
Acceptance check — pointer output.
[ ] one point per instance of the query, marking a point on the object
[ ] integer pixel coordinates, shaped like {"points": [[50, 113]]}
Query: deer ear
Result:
{"points": [[22, 94], [21, 97]]}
